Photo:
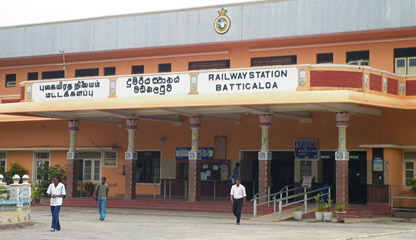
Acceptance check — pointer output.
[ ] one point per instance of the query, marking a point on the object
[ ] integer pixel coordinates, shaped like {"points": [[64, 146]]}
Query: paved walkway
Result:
{"points": [[79, 223]]}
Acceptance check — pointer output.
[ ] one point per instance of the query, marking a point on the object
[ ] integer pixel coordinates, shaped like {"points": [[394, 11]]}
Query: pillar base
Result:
{"points": [[194, 183], [130, 184], [264, 177], [342, 182], [71, 178]]}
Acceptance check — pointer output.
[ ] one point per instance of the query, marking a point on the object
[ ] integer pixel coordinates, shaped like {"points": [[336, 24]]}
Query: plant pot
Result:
{"points": [[319, 216], [35, 201], [327, 216], [341, 217], [297, 215]]}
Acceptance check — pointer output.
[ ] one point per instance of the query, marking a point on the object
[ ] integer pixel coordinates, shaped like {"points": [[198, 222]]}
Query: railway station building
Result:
{"points": [[171, 101]]}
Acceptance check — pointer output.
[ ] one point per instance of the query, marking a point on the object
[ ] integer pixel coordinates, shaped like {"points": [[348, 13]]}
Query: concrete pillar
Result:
{"points": [[265, 156], [72, 156], [194, 181], [341, 159], [131, 160]]}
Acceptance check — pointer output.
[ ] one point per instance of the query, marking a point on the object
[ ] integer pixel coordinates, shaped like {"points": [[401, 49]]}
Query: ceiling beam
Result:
{"points": [[251, 109], [116, 114], [60, 115], [183, 112], [301, 117], [229, 117], [352, 109], [174, 122]]}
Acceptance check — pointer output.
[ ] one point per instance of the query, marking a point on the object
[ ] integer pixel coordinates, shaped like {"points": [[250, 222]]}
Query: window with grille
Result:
{"points": [[32, 76], [10, 80], [53, 74], [359, 58], [90, 72], [219, 64], [324, 58], [271, 61], [138, 69], [109, 71], [165, 67]]}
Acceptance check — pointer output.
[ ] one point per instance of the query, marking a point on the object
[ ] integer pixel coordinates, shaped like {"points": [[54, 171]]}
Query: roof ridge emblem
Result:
{"points": [[222, 22]]}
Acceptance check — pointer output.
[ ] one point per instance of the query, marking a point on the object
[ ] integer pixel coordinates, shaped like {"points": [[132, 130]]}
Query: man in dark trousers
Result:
{"points": [[56, 191], [238, 198]]}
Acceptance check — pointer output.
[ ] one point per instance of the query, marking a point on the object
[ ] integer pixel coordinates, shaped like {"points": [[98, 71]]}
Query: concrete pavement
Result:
{"points": [[80, 223]]}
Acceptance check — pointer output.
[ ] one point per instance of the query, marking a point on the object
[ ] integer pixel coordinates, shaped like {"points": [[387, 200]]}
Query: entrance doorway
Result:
{"points": [[282, 170], [357, 180], [357, 175], [249, 172]]}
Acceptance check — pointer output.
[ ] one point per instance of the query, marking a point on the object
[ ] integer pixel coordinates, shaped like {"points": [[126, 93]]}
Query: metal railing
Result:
{"points": [[259, 196], [169, 181], [304, 197], [394, 195], [286, 197]]}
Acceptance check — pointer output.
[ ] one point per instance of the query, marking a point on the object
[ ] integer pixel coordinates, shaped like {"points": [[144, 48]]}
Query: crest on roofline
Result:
{"points": [[222, 22]]}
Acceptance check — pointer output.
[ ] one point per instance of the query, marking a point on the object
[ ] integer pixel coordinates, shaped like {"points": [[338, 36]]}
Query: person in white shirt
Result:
{"points": [[238, 198], [56, 191]]}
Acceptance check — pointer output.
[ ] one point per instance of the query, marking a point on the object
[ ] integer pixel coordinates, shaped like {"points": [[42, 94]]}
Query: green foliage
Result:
{"points": [[36, 191], [412, 185], [328, 204], [45, 173], [340, 208], [89, 186], [15, 168], [319, 202]]}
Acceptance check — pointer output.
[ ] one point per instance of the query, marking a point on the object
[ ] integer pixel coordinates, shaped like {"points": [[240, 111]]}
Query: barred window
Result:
{"points": [[324, 58], [270, 61], [218, 64], [138, 69]]}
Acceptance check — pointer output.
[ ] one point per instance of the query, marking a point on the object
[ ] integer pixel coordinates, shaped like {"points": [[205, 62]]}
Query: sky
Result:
{"points": [[23, 12]]}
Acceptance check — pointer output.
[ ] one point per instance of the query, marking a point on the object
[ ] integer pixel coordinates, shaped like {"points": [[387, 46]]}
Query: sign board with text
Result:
{"points": [[306, 149]]}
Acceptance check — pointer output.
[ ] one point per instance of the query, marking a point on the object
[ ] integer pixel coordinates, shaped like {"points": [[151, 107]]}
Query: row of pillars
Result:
{"points": [[264, 157]]}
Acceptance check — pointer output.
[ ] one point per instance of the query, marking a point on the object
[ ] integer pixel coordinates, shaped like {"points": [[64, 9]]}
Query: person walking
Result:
{"points": [[101, 195], [238, 198], [56, 191], [235, 174]]}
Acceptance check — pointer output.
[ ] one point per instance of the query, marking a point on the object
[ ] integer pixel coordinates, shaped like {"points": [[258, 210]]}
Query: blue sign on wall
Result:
{"points": [[306, 149], [204, 153]]}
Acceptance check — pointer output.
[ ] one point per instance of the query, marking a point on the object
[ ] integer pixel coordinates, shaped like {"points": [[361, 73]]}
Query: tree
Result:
{"points": [[15, 168], [45, 173]]}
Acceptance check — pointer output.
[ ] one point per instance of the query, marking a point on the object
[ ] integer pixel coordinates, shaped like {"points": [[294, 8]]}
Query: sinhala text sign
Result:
{"points": [[249, 81], [153, 85]]}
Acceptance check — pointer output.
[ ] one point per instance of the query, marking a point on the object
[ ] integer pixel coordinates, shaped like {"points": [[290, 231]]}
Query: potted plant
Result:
{"points": [[340, 213], [328, 209], [89, 188], [319, 207], [297, 215]]}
